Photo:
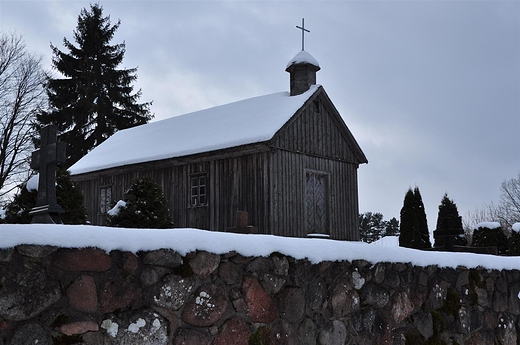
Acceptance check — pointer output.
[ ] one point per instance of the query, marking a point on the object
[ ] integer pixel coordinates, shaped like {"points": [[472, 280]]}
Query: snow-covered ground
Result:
{"points": [[187, 240]]}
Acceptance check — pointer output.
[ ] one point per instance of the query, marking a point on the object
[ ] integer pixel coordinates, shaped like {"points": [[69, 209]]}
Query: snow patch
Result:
{"points": [[2, 213], [516, 227], [32, 184], [387, 241], [303, 57], [114, 211], [489, 225]]}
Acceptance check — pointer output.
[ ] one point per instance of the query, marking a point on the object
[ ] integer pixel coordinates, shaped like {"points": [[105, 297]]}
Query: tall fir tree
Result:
{"points": [[94, 99], [448, 218], [414, 227]]}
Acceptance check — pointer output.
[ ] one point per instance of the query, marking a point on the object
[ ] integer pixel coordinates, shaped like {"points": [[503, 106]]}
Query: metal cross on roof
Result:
{"points": [[303, 29]]}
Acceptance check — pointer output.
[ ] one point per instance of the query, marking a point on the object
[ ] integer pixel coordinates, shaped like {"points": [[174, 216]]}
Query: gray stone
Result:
{"points": [[271, 283], [31, 333], [363, 321], [482, 297], [149, 276], [437, 294], [402, 307], [260, 264], [173, 292], [281, 265], [6, 255], [379, 273], [423, 323], [35, 251], [230, 273], [344, 302], [315, 293], [207, 306], [391, 279], [204, 264], [499, 301], [463, 279], [26, 292], [187, 336], [307, 332], [334, 333], [292, 304], [135, 327], [375, 296], [514, 299], [163, 257], [358, 280], [506, 333]]}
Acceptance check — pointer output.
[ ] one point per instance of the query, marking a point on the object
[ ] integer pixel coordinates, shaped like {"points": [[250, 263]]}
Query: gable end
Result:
{"points": [[317, 129]]}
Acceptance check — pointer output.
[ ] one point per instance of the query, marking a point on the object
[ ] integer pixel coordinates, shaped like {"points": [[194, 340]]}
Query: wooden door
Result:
{"points": [[316, 203]]}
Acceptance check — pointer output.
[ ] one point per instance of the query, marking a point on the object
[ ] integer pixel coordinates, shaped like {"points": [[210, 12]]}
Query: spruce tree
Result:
{"points": [[414, 227], [94, 99], [447, 218]]}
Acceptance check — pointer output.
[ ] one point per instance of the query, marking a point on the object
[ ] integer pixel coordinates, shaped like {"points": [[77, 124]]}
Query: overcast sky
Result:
{"points": [[430, 89]]}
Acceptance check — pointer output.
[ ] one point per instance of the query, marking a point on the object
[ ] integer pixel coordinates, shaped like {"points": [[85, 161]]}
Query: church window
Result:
{"points": [[105, 194], [198, 190]]}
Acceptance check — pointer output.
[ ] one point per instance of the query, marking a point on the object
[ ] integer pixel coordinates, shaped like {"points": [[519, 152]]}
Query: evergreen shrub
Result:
{"points": [[144, 206], [488, 235]]}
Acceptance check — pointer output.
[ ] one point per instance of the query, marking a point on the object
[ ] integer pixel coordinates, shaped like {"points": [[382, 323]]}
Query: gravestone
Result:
{"points": [[45, 160]]}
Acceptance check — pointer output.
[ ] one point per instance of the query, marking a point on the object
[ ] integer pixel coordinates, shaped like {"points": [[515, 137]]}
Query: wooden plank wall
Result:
{"points": [[288, 190], [316, 131], [235, 184]]}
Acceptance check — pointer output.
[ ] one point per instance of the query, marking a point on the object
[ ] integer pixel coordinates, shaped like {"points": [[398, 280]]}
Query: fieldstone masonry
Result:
{"points": [[51, 295]]}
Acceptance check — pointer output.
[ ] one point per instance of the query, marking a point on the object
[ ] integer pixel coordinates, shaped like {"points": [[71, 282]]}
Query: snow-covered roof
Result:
{"points": [[516, 227], [249, 121], [303, 57]]}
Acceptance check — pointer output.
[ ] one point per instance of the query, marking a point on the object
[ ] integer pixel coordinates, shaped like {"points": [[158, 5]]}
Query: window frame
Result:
{"points": [[104, 201], [198, 195]]}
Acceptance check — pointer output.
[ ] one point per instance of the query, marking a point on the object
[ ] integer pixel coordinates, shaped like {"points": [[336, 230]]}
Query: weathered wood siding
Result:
{"points": [[288, 190], [234, 184], [318, 130], [316, 139]]}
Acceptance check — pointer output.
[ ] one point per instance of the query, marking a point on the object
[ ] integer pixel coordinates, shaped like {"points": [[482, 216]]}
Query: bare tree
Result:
{"points": [[507, 212], [21, 96]]}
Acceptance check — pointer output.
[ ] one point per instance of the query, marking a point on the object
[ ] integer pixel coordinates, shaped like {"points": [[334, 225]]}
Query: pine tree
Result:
{"points": [[414, 227], [422, 224], [144, 207], [448, 218], [392, 227], [94, 99]]}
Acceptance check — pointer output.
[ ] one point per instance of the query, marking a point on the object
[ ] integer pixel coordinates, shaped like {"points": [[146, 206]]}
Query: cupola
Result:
{"points": [[302, 69]]}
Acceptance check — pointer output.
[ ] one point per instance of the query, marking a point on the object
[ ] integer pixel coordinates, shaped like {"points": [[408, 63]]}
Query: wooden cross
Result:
{"points": [[303, 29], [45, 160]]}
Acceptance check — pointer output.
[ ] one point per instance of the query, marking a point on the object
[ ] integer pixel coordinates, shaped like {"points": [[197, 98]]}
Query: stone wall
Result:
{"points": [[50, 295]]}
